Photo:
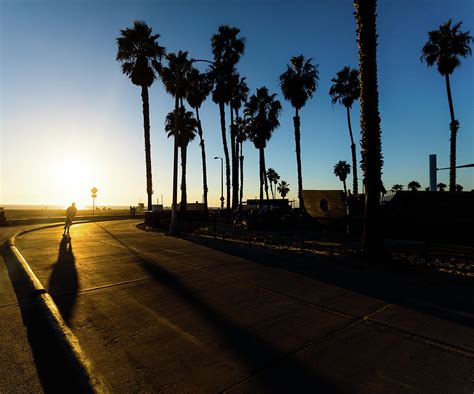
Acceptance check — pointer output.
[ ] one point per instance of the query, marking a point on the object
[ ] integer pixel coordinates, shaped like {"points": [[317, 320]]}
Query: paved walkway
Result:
{"points": [[18, 373], [156, 313]]}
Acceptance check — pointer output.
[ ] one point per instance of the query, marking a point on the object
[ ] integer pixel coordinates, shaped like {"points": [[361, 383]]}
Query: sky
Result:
{"points": [[70, 120]]}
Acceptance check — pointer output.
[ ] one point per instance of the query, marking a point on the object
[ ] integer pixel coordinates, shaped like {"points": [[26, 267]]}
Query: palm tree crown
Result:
{"points": [[283, 188], [187, 126], [345, 88], [342, 169], [137, 48], [413, 186], [445, 46], [179, 65], [299, 81], [397, 188], [262, 111], [198, 87], [226, 47]]}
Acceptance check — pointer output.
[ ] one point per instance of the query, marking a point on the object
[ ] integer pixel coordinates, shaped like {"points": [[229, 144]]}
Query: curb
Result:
{"points": [[62, 334]]}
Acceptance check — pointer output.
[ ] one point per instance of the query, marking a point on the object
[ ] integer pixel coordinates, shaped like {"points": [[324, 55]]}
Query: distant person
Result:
{"points": [[70, 213]]}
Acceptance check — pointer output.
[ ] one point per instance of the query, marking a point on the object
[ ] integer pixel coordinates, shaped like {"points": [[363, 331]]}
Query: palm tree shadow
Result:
{"points": [[63, 282], [251, 349]]}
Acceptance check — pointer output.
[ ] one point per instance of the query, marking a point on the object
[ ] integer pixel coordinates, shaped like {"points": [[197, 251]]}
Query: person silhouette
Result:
{"points": [[70, 213]]}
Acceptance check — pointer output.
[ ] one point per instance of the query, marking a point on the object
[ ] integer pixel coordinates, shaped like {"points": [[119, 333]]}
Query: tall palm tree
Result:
{"points": [[198, 87], [174, 77], [346, 89], [413, 186], [137, 48], [397, 188], [242, 126], [298, 83], [444, 48], [372, 160], [283, 188], [262, 111], [341, 170], [227, 49], [187, 127], [273, 178], [239, 93]]}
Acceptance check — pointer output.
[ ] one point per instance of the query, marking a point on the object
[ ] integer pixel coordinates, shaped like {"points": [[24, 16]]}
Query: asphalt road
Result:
{"points": [[157, 313]]}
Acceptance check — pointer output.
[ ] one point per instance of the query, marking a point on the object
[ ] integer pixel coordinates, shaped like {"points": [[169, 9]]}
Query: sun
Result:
{"points": [[73, 179]]}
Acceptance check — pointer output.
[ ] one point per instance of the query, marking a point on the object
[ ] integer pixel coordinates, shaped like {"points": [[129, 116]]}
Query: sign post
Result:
{"points": [[94, 195]]}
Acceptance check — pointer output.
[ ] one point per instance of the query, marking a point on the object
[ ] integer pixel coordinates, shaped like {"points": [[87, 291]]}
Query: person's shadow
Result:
{"points": [[63, 282]]}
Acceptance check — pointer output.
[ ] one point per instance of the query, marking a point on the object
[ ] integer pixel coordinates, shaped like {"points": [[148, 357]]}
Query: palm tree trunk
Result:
{"points": [[184, 196], [203, 156], [296, 121], [355, 186], [265, 180], [174, 209], [345, 187], [372, 161], [453, 126], [226, 153], [241, 172], [146, 128], [233, 148], [261, 165]]}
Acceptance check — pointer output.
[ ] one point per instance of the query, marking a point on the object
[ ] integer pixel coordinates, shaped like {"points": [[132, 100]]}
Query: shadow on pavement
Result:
{"points": [[249, 348], [63, 282], [426, 294], [50, 361]]}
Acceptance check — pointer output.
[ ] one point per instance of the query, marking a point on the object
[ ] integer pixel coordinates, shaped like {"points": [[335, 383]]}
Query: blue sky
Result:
{"points": [[70, 120]]}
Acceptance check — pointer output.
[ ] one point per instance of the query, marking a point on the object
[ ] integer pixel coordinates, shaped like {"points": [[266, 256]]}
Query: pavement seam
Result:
{"points": [[7, 305], [426, 340]]}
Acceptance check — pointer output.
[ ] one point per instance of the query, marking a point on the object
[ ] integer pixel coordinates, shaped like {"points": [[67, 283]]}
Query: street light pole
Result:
{"points": [[222, 181]]}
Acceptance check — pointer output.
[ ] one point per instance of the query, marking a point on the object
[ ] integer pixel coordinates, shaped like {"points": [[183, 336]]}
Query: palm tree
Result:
{"points": [[459, 188], [262, 111], [239, 95], [137, 48], [441, 186], [283, 188], [227, 49], [174, 78], [187, 127], [372, 160], [341, 170], [413, 186], [346, 89], [298, 83], [273, 178], [198, 87], [242, 126], [444, 48], [397, 188]]}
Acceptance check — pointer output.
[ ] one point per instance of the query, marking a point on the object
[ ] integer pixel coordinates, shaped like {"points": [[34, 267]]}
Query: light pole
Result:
{"points": [[222, 181]]}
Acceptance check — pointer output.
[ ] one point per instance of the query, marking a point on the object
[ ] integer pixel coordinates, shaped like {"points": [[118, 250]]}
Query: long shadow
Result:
{"points": [[51, 363], [63, 282], [423, 293], [250, 349]]}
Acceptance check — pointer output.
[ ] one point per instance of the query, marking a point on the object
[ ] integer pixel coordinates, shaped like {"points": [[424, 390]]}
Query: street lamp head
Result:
{"points": [[216, 157]]}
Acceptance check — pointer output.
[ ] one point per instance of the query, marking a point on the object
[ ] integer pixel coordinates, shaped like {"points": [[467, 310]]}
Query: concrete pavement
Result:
{"points": [[18, 371], [156, 313]]}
